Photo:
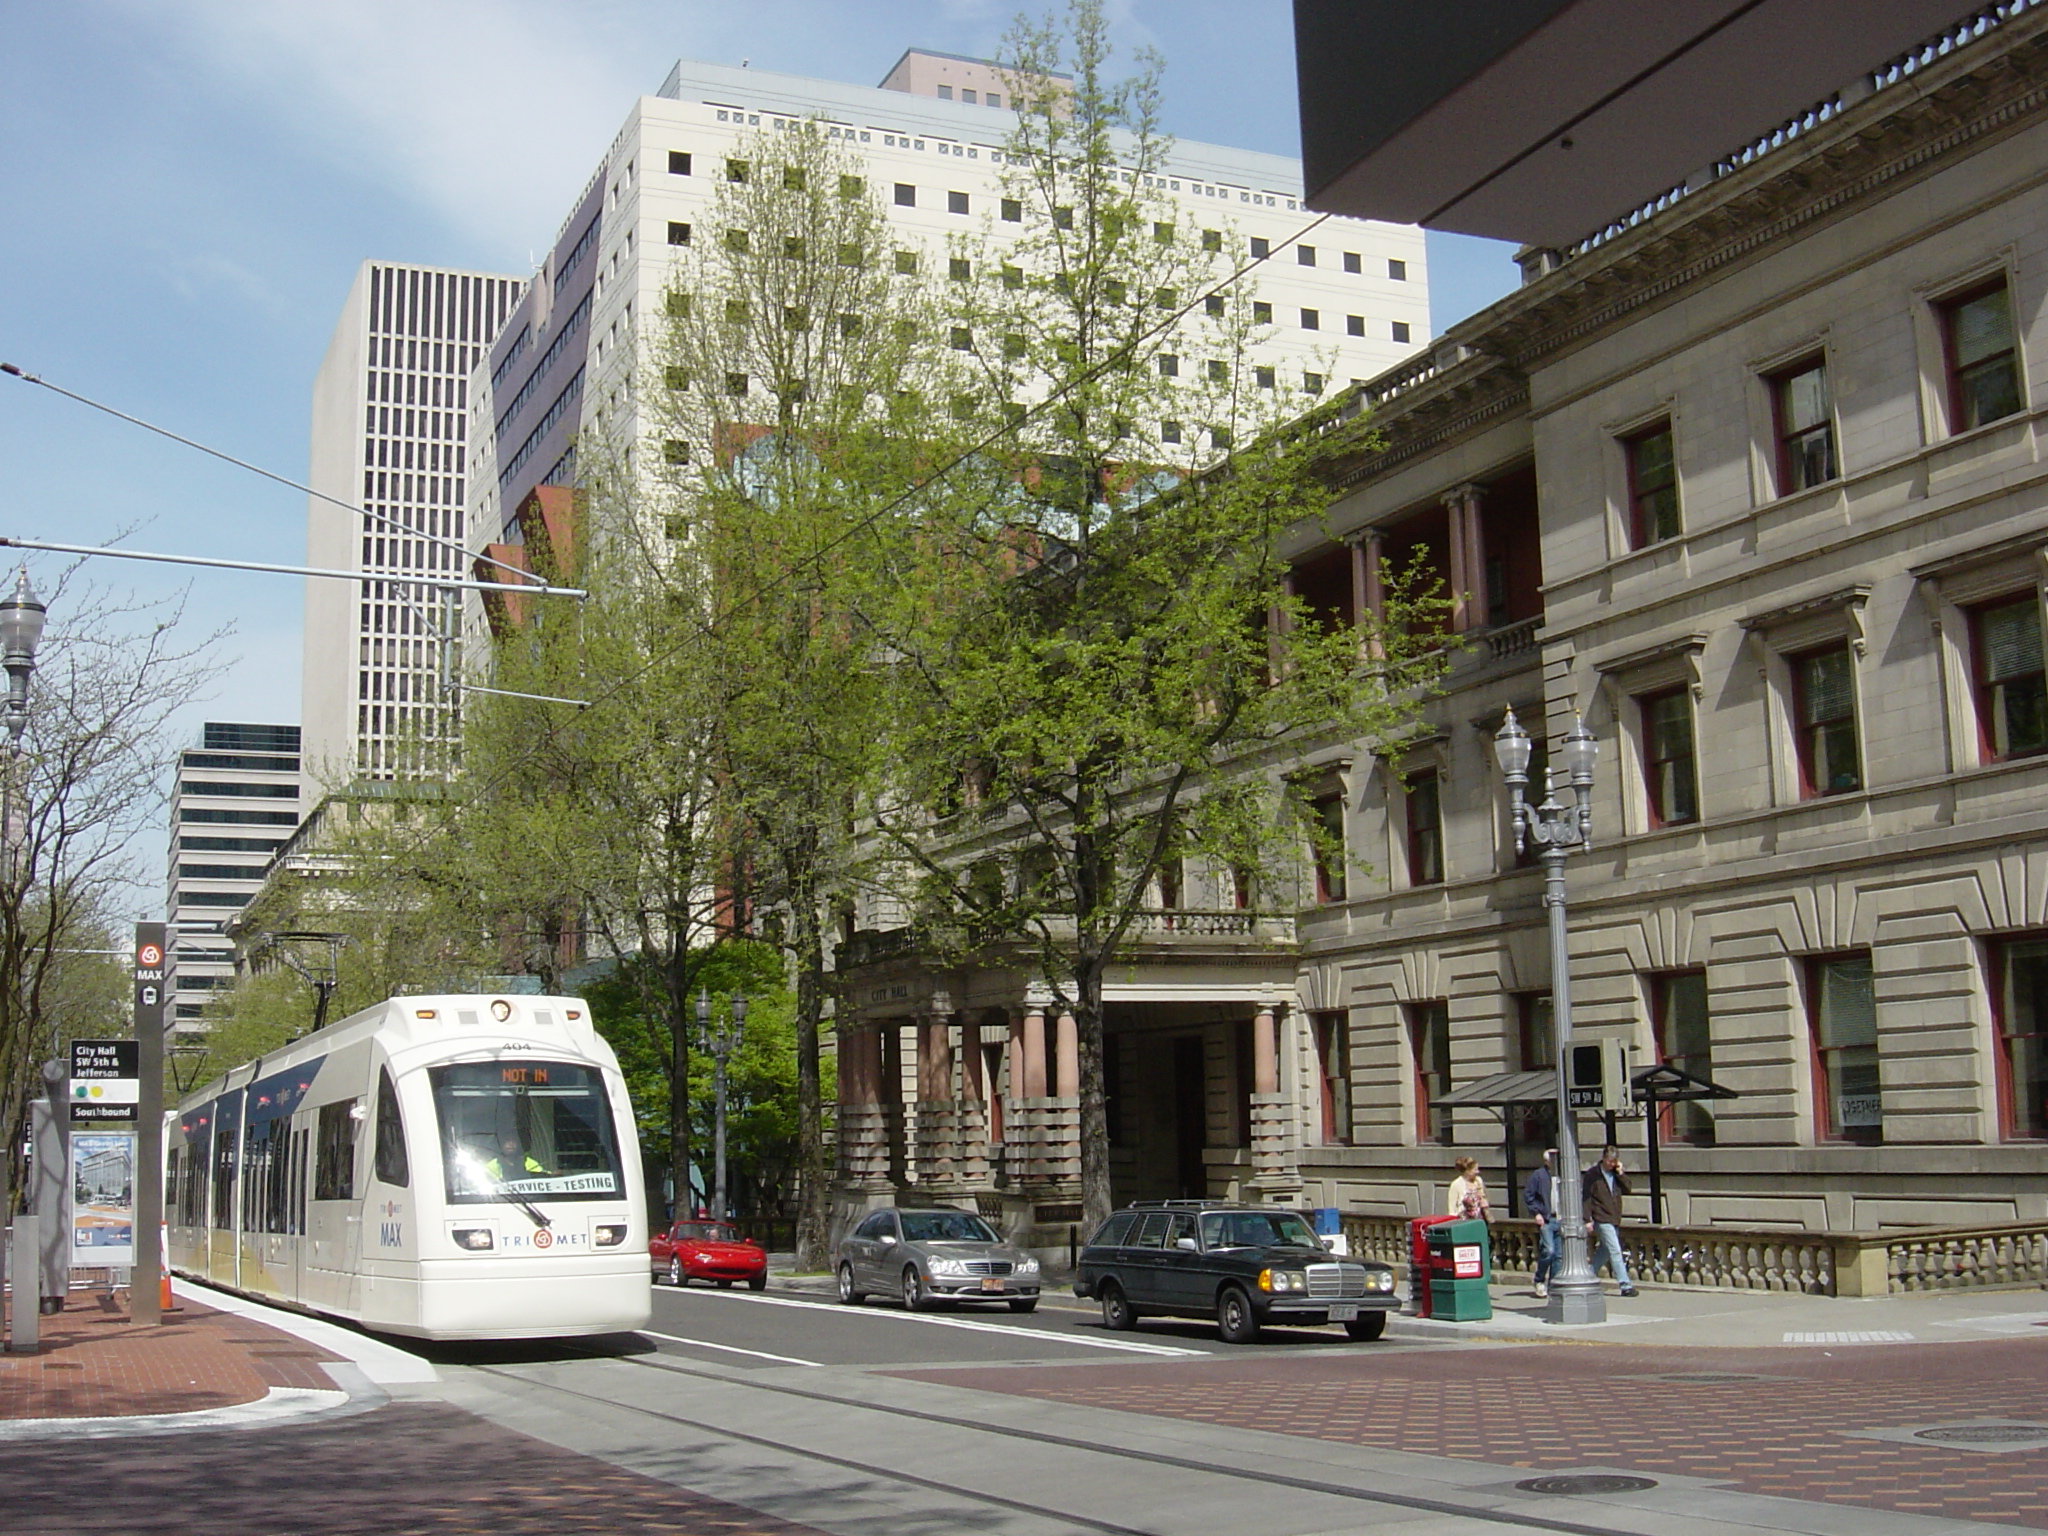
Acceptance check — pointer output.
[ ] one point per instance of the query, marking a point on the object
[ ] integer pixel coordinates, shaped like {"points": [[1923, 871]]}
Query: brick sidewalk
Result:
{"points": [[1778, 1421], [93, 1363]]}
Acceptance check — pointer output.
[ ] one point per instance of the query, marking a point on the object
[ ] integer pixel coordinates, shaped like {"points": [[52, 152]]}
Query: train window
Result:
{"points": [[334, 1159], [391, 1164], [537, 1130], [224, 1135], [298, 1217]]}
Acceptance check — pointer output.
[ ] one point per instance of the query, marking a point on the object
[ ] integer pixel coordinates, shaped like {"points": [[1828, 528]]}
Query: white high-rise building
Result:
{"points": [[233, 805], [1345, 305], [389, 423]]}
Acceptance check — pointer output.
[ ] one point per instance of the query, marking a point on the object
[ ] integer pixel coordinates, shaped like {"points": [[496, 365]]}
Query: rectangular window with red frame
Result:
{"points": [[1824, 707], [2022, 1064], [1841, 1002], [1983, 363], [1670, 769], [1333, 1072], [1803, 421], [2012, 692], [1678, 1014], [1652, 486], [1424, 810], [1327, 812], [1429, 1047]]}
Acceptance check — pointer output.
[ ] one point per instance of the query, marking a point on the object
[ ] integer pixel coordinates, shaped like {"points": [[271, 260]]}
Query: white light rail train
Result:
{"points": [[440, 1167]]}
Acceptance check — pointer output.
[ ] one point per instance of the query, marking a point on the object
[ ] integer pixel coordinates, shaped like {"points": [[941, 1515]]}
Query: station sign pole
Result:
{"points": [[144, 1284]]}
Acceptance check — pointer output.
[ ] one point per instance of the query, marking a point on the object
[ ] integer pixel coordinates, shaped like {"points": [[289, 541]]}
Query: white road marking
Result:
{"points": [[730, 1349], [1041, 1334], [1865, 1336]]}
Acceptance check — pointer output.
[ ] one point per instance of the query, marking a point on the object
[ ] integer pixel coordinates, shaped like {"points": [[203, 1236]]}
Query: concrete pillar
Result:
{"points": [[970, 1060], [1368, 591], [1460, 548], [1265, 1051], [1034, 1052], [1067, 1058]]}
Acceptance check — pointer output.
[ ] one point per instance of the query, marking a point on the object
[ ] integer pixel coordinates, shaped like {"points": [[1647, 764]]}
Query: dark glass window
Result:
{"points": [[1429, 1042], [1670, 772], [1397, 270], [1012, 210], [1311, 320], [1305, 255], [1353, 262], [1333, 1063], [2023, 1042], [1328, 814], [392, 1165], [1262, 312], [1425, 828], [1805, 420], [334, 1154], [1652, 486], [678, 232], [1983, 367], [1842, 1002], [1261, 246], [906, 195], [2012, 712], [1399, 329], [956, 202], [678, 163], [1678, 1006], [1824, 686]]}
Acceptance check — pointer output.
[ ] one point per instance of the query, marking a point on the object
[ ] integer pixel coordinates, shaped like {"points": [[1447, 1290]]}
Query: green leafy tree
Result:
{"points": [[1106, 654]]}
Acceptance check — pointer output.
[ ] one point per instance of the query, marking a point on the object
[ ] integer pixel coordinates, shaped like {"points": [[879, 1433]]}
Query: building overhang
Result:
{"points": [[1542, 120]]}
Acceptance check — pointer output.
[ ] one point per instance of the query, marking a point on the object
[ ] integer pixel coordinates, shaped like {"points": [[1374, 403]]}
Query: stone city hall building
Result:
{"points": [[1752, 478]]}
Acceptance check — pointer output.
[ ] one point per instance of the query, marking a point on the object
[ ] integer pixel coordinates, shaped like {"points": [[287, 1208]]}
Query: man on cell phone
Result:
{"points": [[1601, 1192]]}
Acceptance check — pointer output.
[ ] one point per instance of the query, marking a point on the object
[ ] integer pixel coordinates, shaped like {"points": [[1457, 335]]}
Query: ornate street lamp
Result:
{"points": [[1557, 829], [21, 628], [720, 1043]]}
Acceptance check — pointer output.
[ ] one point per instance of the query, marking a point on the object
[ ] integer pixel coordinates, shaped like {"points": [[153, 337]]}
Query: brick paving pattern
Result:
{"points": [[416, 1469], [1548, 1406], [94, 1363]]}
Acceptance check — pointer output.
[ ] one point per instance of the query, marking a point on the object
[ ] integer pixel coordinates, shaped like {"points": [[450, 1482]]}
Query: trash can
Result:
{"points": [[1460, 1265], [1419, 1261]]}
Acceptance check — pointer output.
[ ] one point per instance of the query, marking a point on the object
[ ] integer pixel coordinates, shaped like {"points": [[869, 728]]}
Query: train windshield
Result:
{"points": [[527, 1130]]}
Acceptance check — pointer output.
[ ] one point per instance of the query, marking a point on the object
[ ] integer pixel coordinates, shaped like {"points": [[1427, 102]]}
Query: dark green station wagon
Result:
{"points": [[1244, 1265]]}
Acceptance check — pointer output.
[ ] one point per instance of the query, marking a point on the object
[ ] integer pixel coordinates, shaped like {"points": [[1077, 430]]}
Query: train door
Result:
{"points": [[223, 1248]]}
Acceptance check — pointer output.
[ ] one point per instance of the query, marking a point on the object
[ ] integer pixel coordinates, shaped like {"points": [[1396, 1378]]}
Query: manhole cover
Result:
{"points": [[1587, 1482], [1985, 1434]]}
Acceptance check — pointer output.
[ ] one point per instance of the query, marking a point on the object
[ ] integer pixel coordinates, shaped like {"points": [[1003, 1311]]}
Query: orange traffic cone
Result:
{"points": [[164, 1296]]}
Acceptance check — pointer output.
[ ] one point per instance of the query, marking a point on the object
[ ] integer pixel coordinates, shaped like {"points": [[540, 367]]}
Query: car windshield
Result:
{"points": [[705, 1232], [945, 1227], [527, 1130], [1256, 1229]]}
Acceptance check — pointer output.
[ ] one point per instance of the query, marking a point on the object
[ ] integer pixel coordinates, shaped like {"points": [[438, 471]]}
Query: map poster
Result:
{"points": [[102, 1199]]}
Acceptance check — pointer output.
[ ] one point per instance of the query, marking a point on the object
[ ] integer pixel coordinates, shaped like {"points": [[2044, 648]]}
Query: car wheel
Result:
{"points": [[757, 1283], [1367, 1327], [675, 1273], [1235, 1319], [1117, 1313], [1023, 1303], [915, 1297], [849, 1293]]}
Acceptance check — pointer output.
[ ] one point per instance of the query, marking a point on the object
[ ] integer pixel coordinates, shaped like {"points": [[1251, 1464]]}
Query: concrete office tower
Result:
{"points": [[235, 801], [389, 419], [1346, 305]]}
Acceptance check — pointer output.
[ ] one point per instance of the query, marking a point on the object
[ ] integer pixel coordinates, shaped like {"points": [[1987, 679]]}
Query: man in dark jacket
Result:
{"points": [[1539, 1195], [1601, 1191]]}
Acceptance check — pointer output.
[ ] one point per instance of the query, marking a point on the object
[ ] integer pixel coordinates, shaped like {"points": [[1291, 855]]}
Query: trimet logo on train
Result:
{"points": [[542, 1239]]}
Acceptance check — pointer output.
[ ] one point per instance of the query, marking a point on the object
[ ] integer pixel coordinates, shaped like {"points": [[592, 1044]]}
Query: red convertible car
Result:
{"points": [[707, 1250]]}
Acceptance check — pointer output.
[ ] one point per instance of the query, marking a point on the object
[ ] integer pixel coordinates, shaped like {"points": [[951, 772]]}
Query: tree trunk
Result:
{"points": [[812, 1251], [678, 998], [1095, 1192]]}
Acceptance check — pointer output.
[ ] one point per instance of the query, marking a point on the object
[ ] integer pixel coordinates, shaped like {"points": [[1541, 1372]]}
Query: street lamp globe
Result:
{"points": [[1512, 748], [1579, 752]]}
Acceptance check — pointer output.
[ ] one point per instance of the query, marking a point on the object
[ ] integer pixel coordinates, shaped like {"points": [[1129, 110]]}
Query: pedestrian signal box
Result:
{"points": [[1599, 1076]]}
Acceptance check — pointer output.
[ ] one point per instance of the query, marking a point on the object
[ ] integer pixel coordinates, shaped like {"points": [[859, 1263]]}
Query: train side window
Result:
{"points": [[391, 1162], [299, 1171], [223, 1174], [334, 1158]]}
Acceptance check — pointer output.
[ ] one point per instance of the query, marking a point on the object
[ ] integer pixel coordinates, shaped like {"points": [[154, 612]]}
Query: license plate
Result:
{"points": [[1344, 1312], [991, 1283]]}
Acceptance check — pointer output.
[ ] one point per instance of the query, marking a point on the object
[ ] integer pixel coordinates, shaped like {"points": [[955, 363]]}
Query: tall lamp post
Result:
{"points": [[21, 628], [721, 1043], [1555, 829]]}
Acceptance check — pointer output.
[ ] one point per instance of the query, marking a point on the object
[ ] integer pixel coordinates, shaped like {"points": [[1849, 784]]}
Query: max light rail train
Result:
{"points": [[441, 1167]]}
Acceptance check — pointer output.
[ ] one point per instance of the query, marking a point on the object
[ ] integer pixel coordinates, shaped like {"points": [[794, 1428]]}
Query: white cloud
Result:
{"points": [[492, 113]]}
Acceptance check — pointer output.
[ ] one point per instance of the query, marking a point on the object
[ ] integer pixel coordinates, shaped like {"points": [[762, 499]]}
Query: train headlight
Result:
{"points": [[475, 1239], [609, 1236]]}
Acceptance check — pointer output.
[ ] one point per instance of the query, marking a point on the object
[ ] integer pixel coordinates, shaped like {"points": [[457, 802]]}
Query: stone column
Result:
{"points": [[938, 1104], [863, 1130], [1067, 1059], [1468, 557], [1034, 1051], [971, 1153], [1460, 578], [1275, 1161], [1368, 593]]}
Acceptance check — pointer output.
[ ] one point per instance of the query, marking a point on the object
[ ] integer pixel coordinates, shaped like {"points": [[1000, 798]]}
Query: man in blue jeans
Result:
{"points": [[1539, 1195], [1601, 1192]]}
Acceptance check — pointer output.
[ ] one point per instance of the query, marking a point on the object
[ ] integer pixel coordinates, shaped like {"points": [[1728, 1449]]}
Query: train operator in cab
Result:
{"points": [[512, 1162]]}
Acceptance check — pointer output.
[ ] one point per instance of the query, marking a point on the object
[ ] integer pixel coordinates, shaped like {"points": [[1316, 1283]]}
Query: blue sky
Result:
{"points": [[189, 186]]}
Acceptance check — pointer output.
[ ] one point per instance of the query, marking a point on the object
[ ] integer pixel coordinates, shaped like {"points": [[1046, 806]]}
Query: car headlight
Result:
{"points": [[1383, 1280], [948, 1267], [1282, 1280], [1027, 1266]]}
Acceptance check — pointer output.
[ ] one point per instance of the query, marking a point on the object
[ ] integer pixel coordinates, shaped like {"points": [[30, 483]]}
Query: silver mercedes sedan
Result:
{"points": [[931, 1255]]}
